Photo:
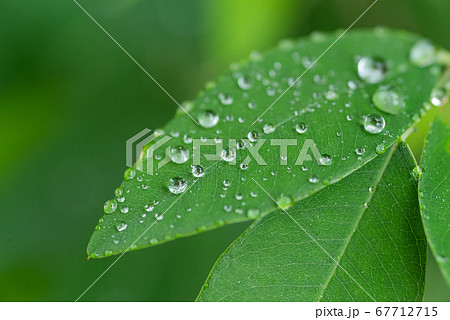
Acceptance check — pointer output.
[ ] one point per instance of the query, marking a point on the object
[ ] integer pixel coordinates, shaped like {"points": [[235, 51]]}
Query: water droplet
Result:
{"points": [[389, 99], [187, 138], [121, 226], [245, 83], [240, 144], [119, 192], [313, 179], [252, 136], [149, 207], [208, 119], [325, 160], [438, 97], [423, 53], [253, 213], [360, 151], [225, 98], [228, 154], [228, 208], [268, 128], [198, 171], [244, 166], [374, 123], [372, 70], [177, 185], [129, 174], [125, 210], [226, 183], [371, 189], [239, 196], [179, 154], [285, 201], [380, 149], [110, 206], [301, 127]]}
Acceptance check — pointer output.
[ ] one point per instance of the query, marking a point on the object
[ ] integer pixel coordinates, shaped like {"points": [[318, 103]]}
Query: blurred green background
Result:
{"points": [[69, 99]]}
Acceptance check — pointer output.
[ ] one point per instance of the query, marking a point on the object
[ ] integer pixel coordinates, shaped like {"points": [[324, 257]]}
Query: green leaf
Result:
{"points": [[330, 99], [434, 193], [368, 222]]}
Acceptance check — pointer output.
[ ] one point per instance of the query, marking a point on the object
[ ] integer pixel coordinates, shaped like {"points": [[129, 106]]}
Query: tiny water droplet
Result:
{"points": [[285, 201], [268, 128], [325, 160], [252, 136], [380, 149], [228, 154], [121, 226], [245, 83], [301, 127], [313, 179], [438, 97], [225, 98], [360, 151], [253, 213]]}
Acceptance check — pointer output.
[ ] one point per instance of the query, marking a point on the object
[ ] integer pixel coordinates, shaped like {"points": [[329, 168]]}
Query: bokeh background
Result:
{"points": [[69, 99]]}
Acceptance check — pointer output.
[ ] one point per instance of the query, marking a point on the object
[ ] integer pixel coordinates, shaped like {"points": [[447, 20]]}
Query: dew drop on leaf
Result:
{"points": [[423, 53], [110, 206], [198, 171], [228, 154], [245, 83], [389, 99], [129, 174], [374, 123], [285, 201], [225, 98], [372, 70], [438, 97], [301, 127], [268, 128], [325, 160], [121, 226], [208, 119], [252, 136], [179, 154], [253, 213], [177, 185]]}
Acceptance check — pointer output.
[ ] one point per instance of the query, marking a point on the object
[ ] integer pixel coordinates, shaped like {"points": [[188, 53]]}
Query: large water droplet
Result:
{"points": [[389, 99], [208, 119], [198, 171], [372, 70], [228, 154], [268, 128], [301, 127], [110, 206], [423, 53], [177, 185], [374, 123], [179, 154]]}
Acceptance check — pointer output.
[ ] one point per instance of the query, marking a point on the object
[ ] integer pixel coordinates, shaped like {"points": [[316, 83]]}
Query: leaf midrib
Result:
{"points": [[361, 214]]}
